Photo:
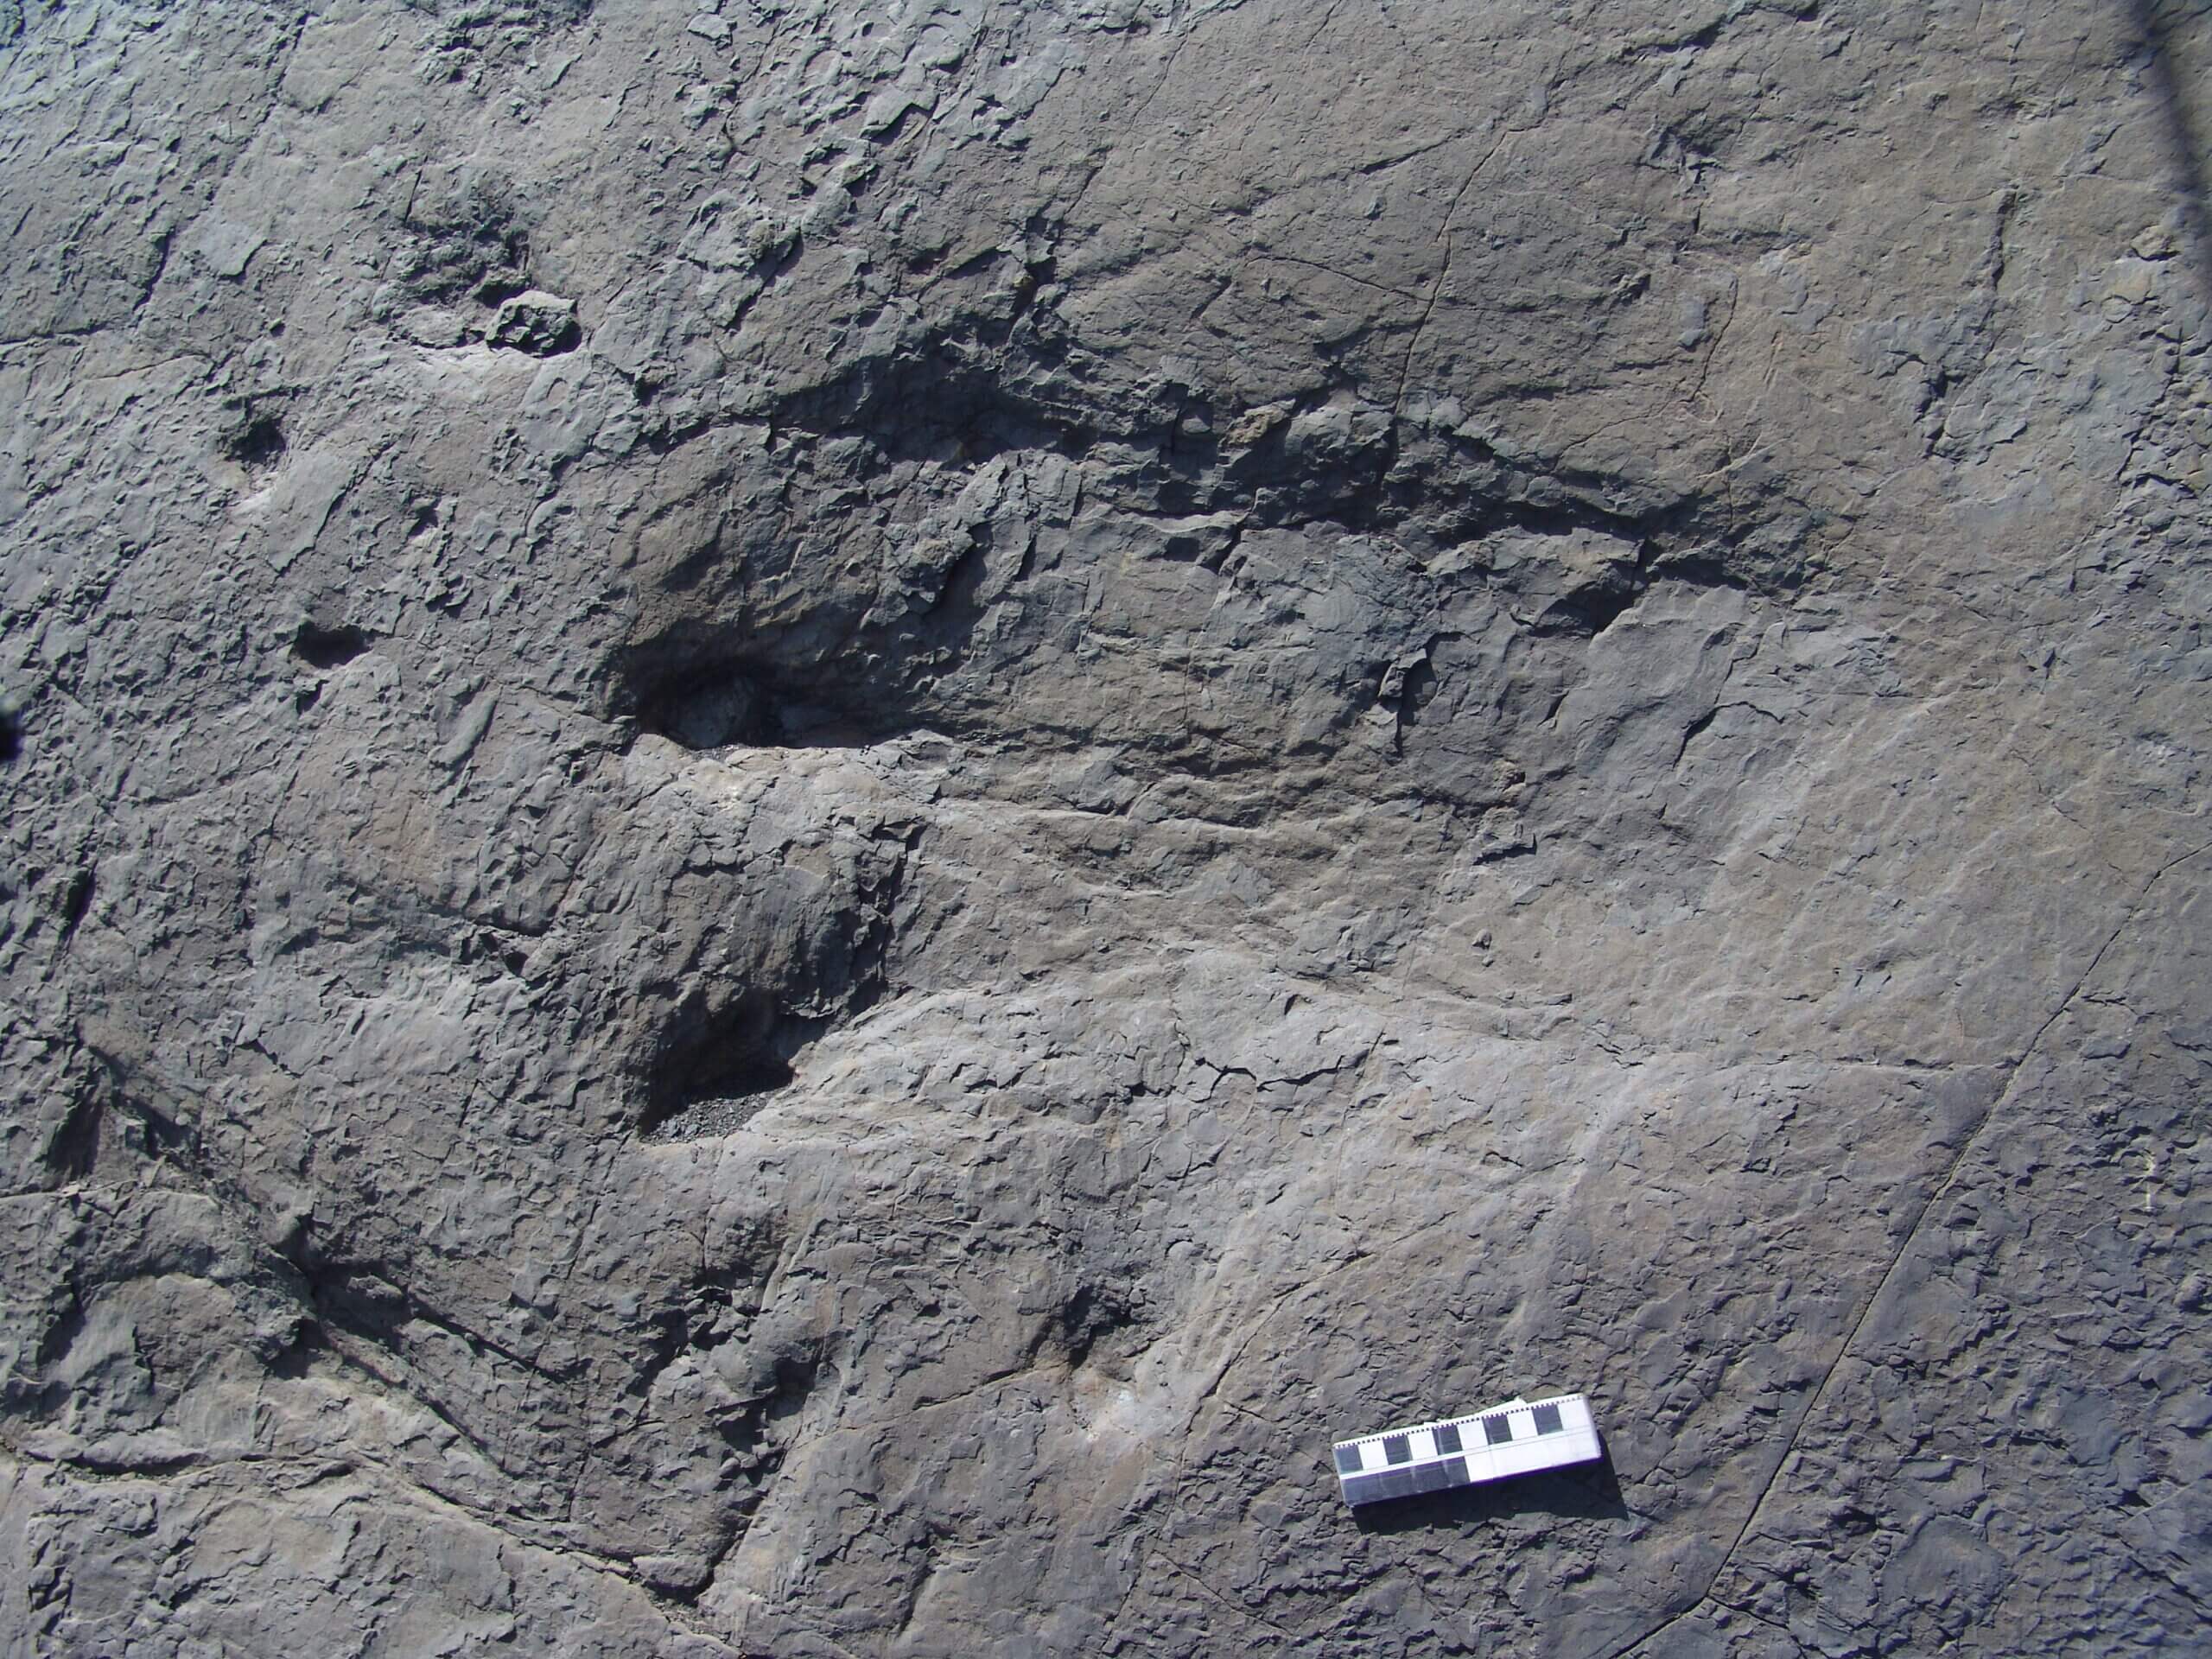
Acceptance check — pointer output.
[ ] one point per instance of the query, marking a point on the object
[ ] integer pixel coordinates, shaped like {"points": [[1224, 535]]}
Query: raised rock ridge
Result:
{"points": [[819, 813]]}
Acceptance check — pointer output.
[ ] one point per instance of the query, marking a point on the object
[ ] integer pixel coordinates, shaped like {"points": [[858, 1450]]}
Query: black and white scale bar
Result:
{"points": [[1514, 1439]]}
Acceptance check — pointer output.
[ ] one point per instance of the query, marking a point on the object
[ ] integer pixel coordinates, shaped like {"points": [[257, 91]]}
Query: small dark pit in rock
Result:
{"points": [[711, 711], [540, 324], [77, 901], [327, 648], [713, 1067], [705, 700], [1089, 1316], [258, 442]]}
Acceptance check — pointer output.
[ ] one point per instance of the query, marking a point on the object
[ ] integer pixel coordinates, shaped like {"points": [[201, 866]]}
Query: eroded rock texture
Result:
{"points": [[817, 813]]}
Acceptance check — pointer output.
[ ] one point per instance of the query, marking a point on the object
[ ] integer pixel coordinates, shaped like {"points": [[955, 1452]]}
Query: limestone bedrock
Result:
{"points": [[817, 813]]}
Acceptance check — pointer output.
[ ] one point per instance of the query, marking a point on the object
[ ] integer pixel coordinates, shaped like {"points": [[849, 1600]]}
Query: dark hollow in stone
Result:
{"points": [[712, 1065], [536, 325], [1593, 608], [709, 709], [327, 648], [77, 901], [11, 738], [355, 1298], [1088, 1317], [100, 1115], [714, 703], [74, 1146], [259, 443]]}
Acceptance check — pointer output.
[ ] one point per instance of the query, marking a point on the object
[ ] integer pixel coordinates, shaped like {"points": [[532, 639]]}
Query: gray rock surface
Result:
{"points": [[819, 811]]}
